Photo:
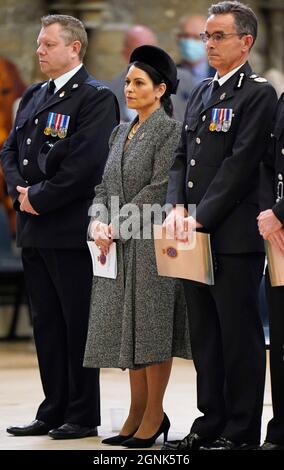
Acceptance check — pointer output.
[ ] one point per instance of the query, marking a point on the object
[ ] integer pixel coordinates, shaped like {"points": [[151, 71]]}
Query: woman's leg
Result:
{"points": [[138, 389], [157, 377]]}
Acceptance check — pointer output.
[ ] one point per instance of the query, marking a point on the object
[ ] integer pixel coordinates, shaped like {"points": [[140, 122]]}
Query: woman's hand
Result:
{"points": [[102, 234]]}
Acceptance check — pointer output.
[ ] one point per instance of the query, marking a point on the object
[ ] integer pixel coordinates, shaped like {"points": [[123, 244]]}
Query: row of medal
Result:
{"points": [[221, 119], [57, 125]]}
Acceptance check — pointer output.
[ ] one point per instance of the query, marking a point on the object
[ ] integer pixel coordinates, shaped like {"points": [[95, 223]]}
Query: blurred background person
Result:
{"points": [[192, 49], [135, 36]]}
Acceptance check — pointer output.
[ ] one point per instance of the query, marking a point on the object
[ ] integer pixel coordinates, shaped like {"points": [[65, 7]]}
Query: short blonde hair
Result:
{"points": [[72, 28]]}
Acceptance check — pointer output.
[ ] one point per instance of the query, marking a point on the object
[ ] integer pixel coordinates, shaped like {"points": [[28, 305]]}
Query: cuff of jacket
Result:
{"points": [[278, 210]]}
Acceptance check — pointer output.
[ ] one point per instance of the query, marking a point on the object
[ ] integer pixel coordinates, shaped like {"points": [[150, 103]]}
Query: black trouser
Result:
{"points": [[228, 349], [275, 297], [59, 287]]}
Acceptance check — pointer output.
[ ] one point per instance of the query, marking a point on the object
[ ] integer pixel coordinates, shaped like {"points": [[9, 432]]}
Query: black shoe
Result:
{"points": [[222, 443], [72, 431], [116, 440], [136, 442], [35, 428], [190, 442], [271, 446]]}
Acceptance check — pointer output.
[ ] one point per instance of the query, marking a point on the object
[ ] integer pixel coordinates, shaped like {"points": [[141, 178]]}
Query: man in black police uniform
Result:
{"points": [[271, 226], [52, 160], [216, 167]]}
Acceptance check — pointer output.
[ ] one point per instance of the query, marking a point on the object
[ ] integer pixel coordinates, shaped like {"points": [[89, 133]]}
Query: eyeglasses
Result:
{"points": [[219, 36]]}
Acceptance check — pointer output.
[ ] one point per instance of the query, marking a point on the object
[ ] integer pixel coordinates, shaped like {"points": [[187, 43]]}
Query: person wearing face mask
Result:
{"points": [[193, 67], [192, 49]]}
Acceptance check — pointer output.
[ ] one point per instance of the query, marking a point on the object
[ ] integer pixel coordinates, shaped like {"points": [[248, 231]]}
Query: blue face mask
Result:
{"points": [[192, 50]]}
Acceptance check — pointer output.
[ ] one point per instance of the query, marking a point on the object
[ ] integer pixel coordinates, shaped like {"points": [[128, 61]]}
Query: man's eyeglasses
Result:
{"points": [[219, 36]]}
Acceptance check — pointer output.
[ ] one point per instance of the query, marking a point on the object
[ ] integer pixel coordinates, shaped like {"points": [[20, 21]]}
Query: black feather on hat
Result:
{"points": [[159, 60]]}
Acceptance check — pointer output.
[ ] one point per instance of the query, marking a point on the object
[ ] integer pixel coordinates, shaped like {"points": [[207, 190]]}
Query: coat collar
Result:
{"points": [[228, 89], [65, 92]]}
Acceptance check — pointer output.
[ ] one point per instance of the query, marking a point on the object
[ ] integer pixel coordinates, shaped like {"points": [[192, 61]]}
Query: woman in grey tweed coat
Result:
{"points": [[138, 320]]}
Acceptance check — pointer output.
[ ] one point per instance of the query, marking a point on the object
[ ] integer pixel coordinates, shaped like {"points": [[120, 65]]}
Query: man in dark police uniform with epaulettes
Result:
{"points": [[52, 160], [225, 135]]}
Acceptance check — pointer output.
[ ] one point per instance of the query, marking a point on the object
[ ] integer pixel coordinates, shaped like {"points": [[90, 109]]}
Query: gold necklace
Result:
{"points": [[133, 131]]}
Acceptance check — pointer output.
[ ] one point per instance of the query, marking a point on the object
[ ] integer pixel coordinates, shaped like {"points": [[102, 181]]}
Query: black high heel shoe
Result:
{"points": [[117, 440], [136, 442]]}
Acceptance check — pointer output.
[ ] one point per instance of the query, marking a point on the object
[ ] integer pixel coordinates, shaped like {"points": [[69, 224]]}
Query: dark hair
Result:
{"points": [[157, 79], [245, 18], [72, 30]]}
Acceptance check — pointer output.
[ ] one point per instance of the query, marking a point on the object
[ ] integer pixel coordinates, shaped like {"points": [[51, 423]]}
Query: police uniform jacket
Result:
{"points": [[219, 171], [272, 168], [61, 198]]}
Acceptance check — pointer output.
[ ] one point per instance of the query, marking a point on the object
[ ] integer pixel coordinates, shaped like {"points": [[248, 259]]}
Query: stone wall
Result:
{"points": [[106, 22]]}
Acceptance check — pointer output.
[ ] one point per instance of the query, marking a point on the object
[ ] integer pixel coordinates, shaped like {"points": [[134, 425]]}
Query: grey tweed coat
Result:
{"points": [[139, 318]]}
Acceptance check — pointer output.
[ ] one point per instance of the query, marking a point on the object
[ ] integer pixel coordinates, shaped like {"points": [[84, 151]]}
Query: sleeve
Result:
{"points": [[10, 159], [266, 192], [99, 208], [155, 191], [82, 168], [177, 175], [233, 178]]}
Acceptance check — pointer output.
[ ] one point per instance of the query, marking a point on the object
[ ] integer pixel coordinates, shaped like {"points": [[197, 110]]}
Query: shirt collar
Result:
{"points": [[63, 79], [228, 75]]}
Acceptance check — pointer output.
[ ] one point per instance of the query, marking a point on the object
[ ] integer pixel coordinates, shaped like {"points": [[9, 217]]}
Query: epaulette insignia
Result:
{"points": [[258, 79]]}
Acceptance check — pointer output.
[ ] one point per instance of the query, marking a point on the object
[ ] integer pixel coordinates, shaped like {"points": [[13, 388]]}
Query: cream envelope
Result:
{"points": [[275, 261], [103, 266], [191, 261]]}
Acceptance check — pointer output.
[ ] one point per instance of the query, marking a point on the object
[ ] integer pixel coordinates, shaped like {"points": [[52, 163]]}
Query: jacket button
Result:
{"points": [[36, 121], [28, 141], [190, 184], [280, 176], [282, 151], [198, 140], [25, 161], [192, 162], [203, 117]]}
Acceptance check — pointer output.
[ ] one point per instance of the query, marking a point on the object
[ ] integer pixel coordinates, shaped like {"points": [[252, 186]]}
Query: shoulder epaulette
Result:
{"points": [[257, 78], [94, 83]]}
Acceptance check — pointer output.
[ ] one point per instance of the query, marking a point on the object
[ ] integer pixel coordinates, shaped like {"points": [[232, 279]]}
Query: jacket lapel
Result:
{"points": [[226, 91], [64, 93]]}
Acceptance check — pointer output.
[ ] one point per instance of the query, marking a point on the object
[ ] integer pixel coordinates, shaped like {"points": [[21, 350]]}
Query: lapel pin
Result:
{"points": [[62, 94], [223, 96], [75, 85]]}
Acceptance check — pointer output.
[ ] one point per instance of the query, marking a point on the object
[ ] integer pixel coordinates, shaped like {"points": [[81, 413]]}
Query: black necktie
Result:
{"points": [[214, 86], [50, 87]]}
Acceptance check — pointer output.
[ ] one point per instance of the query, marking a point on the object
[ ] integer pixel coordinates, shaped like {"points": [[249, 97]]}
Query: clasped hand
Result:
{"points": [[179, 225], [271, 229], [103, 235], [25, 205]]}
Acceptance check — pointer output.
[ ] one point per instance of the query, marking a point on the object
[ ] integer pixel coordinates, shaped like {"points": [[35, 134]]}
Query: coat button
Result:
{"points": [[203, 117], [36, 121], [198, 140], [190, 184], [282, 151], [28, 141], [280, 176], [186, 127], [192, 162], [25, 162]]}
